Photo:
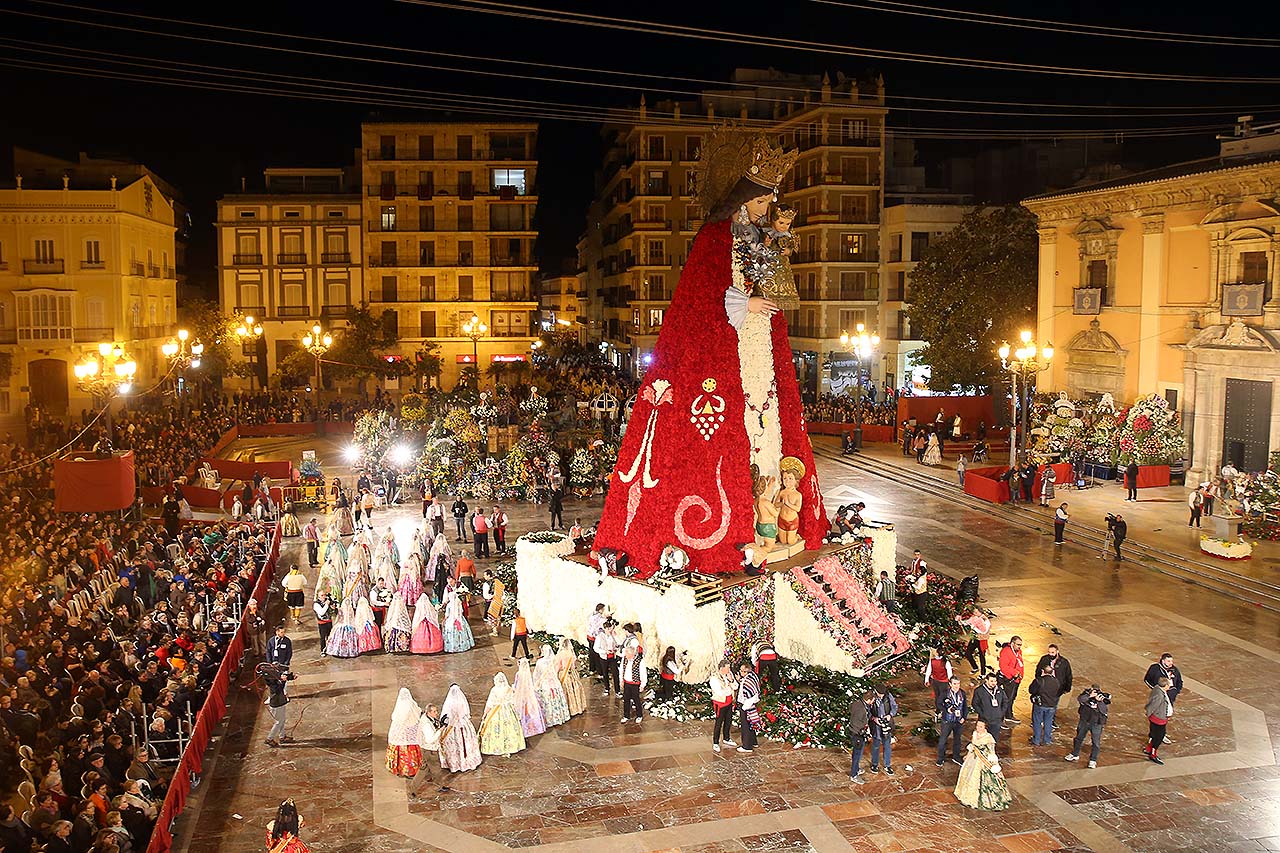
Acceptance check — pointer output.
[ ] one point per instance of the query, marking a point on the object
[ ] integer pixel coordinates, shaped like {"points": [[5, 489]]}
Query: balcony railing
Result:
{"points": [[137, 268], [153, 270], [292, 311], [391, 155], [251, 310], [514, 296], [335, 257], [51, 266], [93, 334], [336, 311], [93, 265], [154, 330], [291, 258], [390, 192], [254, 259], [170, 272]]}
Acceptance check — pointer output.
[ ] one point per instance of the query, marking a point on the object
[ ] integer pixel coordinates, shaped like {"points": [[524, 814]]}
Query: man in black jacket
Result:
{"points": [[1061, 668], [1165, 668], [280, 649], [1131, 481], [859, 731], [988, 703], [1094, 705], [1119, 530]]}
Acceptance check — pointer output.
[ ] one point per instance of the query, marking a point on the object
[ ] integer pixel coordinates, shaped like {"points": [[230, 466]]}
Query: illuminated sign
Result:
{"points": [[508, 358], [466, 359]]}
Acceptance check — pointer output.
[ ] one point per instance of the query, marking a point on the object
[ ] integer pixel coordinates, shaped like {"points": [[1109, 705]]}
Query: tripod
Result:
{"points": [[1108, 542]]}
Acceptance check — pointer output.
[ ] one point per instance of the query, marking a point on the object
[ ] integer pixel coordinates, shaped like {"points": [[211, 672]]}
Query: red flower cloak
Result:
{"points": [[683, 475]]}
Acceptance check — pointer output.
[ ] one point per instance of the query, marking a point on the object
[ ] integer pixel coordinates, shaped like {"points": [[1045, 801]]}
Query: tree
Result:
{"points": [[428, 364], [217, 331], [972, 289], [295, 370], [360, 350]]}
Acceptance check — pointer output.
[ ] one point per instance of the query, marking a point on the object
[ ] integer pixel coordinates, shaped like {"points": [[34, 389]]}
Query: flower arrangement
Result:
{"points": [[1150, 433], [1226, 549], [748, 617], [463, 425], [1259, 496], [543, 537], [582, 470], [311, 473]]}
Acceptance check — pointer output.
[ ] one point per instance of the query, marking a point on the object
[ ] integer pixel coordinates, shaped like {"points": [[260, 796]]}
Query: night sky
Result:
{"points": [[203, 140]]}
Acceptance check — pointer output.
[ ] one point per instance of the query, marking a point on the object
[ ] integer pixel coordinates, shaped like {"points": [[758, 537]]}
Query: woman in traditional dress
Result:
{"points": [[368, 637], [289, 522], [500, 731], [357, 583], [456, 630], [343, 640], [981, 784], [933, 451], [459, 745], [527, 706], [546, 683], [397, 626], [719, 396], [440, 561], [282, 833], [404, 754], [570, 680], [427, 639], [386, 562], [334, 549], [411, 577], [1047, 478], [342, 513]]}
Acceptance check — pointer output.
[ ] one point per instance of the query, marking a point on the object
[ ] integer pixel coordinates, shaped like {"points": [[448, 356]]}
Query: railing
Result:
{"points": [[170, 272], [381, 155], [93, 265], [386, 261], [293, 311], [251, 310], [153, 270], [242, 260], [155, 330], [93, 334], [390, 192], [653, 225], [849, 294], [8, 336], [511, 297], [656, 261], [335, 257], [656, 190], [340, 311], [511, 262], [291, 258], [51, 266]]}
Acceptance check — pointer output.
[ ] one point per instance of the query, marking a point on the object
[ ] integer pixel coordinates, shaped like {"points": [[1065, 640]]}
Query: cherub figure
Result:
{"points": [[780, 283], [766, 509], [789, 500]]}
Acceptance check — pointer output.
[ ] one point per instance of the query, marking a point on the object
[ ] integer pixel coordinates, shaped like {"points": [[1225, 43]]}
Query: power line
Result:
{"points": [[1042, 24], [724, 36]]}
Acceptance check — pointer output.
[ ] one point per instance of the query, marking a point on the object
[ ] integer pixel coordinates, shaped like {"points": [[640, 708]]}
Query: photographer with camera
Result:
{"points": [[275, 676], [1117, 530], [1094, 705]]}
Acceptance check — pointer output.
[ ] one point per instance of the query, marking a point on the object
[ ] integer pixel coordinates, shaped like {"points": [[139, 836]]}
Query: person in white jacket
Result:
{"points": [[607, 650], [723, 691], [748, 697], [634, 678]]}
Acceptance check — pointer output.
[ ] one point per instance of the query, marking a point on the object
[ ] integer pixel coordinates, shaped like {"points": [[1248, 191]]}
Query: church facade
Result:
{"points": [[1164, 282]]}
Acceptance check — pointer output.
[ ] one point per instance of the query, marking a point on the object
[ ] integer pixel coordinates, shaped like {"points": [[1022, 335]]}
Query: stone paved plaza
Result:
{"points": [[593, 784]]}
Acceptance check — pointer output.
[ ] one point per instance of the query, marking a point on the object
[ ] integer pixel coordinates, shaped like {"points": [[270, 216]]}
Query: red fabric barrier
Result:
{"points": [[1153, 476], [268, 430], [337, 427], [201, 497], [983, 483], [229, 469], [211, 713], [94, 485], [971, 410], [1062, 473], [870, 432]]}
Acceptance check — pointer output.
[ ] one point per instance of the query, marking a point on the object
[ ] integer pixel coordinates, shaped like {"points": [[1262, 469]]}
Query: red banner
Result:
{"points": [[86, 484], [212, 712]]}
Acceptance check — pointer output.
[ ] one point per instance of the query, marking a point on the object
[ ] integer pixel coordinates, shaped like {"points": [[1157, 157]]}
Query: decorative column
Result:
{"points": [[1189, 411], [1046, 298], [1154, 247]]}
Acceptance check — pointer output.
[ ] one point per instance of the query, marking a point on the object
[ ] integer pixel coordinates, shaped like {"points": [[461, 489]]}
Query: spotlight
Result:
{"points": [[351, 454], [400, 455]]}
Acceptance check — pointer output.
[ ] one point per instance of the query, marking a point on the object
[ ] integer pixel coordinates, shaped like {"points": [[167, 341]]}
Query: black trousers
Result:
{"points": [[723, 724], [500, 538], [609, 670], [313, 552], [1132, 493], [593, 659], [325, 628], [520, 640], [1195, 517], [630, 700], [557, 518], [1058, 527], [1156, 734], [975, 648], [770, 674], [482, 544], [1118, 540], [954, 730], [664, 689], [746, 734], [462, 528]]}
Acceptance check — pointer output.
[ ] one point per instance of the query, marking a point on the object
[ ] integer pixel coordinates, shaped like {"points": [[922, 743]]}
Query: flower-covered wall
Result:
{"points": [[748, 617]]}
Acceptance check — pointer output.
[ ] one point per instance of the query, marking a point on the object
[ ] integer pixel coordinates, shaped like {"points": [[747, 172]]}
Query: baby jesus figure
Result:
{"points": [[780, 284]]}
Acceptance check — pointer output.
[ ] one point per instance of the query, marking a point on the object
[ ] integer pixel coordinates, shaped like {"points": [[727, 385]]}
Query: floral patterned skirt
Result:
{"points": [[396, 641], [500, 733], [404, 760], [457, 636]]}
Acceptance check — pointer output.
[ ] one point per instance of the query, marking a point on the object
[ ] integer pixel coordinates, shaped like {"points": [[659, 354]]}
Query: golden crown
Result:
{"points": [[769, 164]]}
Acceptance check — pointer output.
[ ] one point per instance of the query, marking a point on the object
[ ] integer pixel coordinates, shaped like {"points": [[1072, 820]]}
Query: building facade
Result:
{"points": [[449, 234], [81, 266], [291, 256], [643, 223], [558, 296], [1164, 282]]}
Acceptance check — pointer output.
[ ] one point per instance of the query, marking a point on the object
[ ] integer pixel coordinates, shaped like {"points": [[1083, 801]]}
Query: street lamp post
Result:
{"points": [[317, 342], [475, 329], [1023, 364], [862, 346], [250, 330], [105, 374], [183, 356]]}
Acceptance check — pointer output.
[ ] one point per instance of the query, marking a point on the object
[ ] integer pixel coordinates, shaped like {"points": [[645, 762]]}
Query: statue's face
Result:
{"points": [[788, 480], [758, 207]]}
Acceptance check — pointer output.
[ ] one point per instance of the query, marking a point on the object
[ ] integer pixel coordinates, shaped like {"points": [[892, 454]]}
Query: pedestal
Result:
{"points": [[1226, 526]]}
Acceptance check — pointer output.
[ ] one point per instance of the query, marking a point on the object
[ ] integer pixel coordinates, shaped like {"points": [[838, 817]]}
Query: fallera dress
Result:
{"points": [[500, 732], [343, 640], [456, 630], [459, 744], [528, 707], [981, 784], [404, 750], [398, 626], [570, 680], [546, 683], [368, 637], [427, 639]]}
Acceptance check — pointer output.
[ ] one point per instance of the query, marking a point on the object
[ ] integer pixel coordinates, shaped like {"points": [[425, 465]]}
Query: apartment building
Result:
{"points": [[644, 220], [448, 214], [290, 256], [82, 263], [558, 297]]}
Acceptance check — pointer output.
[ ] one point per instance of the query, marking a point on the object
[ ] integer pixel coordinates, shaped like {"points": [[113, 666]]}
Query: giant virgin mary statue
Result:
{"points": [[718, 421]]}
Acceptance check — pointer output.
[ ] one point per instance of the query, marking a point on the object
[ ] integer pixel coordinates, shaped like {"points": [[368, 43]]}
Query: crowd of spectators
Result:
{"points": [[842, 409], [112, 633]]}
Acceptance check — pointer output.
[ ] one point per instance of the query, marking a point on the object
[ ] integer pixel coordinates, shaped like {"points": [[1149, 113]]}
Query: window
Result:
{"points": [[248, 214], [655, 318], [391, 324], [1171, 397], [509, 178], [387, 147], [506, 324], [656, 183], [389, 253], [427, 288], [900, 291], [657, 148], [389, 289], [426, 147], [336, 294], [895, 248], [851, 247], [465, 188], [335, 213], [249, 290], [44, 252], [291, 248], [656, 285], [466, 288], [426, 184], [291, 291], [335, 246], [5, 404], [854, 130], [247, 247], [1253, 267], [853, 208], [635, 319], [426, 218], [854, 171], [1097, 274], [506, 217], [511, 286], [507, 146], [466, 255], [653, 213], [466, 216], [44, 316], [427, 324], [691, 146], [293, 214], [388, 219], [853, 285], [95, 313], [656, 251], [92, 253], [850, 318], [919, 242]]}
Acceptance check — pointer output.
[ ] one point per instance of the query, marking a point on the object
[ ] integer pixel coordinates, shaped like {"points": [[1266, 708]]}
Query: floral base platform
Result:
{"points": [[1226, 549]]}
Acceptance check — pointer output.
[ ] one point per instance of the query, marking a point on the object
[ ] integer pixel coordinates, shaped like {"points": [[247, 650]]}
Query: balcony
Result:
{"points": [[155, 330], [50, 266], [137, 268], [153, 270], [291, 258], [8, 336], [292, 311], [258, 311], [335, 257], [656, 189], [383, 155], [517, 261], [424, 192], [656, 261], [249, 260], [93, 334], [335, 311], [93, 265], [515, 296], [653, 225]]}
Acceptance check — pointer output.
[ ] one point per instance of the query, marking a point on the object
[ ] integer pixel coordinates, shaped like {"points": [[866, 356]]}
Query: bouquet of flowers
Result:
{"points": [[462, 424], [1150, 433]]}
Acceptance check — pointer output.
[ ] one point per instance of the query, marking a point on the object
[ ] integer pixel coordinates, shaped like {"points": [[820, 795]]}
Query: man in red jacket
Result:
{"points": [[1011, 675]]}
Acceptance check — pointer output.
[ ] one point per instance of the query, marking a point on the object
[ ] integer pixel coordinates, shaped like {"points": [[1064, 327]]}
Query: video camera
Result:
{"points": [[1111, 520]]}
